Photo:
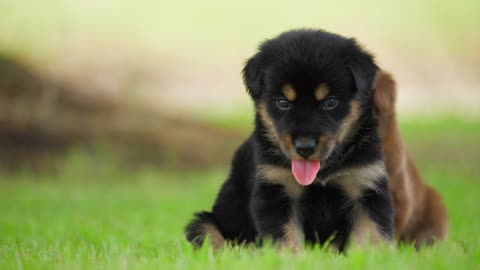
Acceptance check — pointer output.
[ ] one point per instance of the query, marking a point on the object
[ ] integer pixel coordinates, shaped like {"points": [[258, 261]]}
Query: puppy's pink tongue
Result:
{"points": [[305, 171]]}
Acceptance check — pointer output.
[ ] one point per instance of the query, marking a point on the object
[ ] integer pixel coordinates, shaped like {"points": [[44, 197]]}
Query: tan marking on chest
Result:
{"points": [[282, 176], [354, 181], [294, 237]]}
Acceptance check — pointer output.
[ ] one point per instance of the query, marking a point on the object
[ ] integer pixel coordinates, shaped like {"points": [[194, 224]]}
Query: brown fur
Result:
{"points": [[214, 236], [294, 237], [325, 146], [350, 120], [289, 148], [282, 176], [272, 134], [289, 92], [366, 231], [321, 92], [420, 214], [354, 181], [326, 143]]}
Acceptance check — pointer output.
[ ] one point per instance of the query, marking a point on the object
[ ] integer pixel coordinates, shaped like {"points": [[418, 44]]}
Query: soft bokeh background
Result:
{"points": [[131, 110], [152, 72]]}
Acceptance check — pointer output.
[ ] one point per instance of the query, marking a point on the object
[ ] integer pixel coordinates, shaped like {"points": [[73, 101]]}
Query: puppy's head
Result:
{"points": [[310, 88]]}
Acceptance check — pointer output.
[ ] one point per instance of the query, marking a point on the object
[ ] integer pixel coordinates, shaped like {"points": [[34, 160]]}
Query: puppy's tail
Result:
{"points": [[203, 226]]}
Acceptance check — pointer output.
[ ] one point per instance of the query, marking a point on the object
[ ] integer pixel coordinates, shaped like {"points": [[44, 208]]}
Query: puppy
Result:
{"points": [[420, 215], [312, 170]]}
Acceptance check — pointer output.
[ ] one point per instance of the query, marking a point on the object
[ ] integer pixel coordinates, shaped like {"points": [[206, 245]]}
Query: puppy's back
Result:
{"points": [[420, 214]]}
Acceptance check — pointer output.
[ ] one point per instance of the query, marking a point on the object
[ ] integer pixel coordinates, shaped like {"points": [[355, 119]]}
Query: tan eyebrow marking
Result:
{"points": [[321, 91], [289, 92]]}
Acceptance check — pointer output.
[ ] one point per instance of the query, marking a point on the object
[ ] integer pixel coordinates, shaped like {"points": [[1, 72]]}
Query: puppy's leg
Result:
{"points": [[434, 222], [229, 220], [373, 217], [275, 216], [402, 192], [203, 227], [294, 237]]}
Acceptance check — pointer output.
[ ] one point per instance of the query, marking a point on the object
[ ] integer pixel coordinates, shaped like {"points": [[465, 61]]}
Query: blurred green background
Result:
{"points": [[118, 120]]}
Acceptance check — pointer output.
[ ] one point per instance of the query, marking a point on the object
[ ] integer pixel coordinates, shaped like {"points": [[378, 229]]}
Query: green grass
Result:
{"points": [[94, 214]]}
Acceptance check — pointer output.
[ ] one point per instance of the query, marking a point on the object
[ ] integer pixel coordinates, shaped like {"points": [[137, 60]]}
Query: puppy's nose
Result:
{"points": [[305, 146]]}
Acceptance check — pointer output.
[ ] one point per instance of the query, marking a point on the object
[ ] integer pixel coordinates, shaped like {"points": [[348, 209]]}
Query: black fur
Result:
{"points": [[194, 229], [247, 208]]}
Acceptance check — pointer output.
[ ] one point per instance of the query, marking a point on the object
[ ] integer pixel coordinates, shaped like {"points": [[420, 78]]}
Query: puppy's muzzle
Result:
{"points": [[305, 146]]}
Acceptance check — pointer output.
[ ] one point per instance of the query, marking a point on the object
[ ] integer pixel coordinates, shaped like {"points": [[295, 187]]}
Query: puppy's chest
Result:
{"points": [[325, 208], [324, 211]]}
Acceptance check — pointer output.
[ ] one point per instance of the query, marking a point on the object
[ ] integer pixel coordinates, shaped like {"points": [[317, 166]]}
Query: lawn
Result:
{"points": [[96, 214]]}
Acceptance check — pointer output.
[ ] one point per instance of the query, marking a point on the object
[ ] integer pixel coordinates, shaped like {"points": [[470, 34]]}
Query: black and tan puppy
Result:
{"points": [[313, 168], [420, 214]]}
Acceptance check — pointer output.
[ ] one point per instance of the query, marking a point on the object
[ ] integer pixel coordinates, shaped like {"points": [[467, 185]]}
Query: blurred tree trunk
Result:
{"points": [[40, 120]]}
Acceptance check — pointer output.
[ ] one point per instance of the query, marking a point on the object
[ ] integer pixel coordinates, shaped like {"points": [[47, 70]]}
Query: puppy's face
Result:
{"points": [[309, 88], [310, 112]]}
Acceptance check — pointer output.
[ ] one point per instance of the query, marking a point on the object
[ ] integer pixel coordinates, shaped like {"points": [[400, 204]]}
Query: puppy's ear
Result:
{"points": [[253, 74], [363, 69], [385, 93]]}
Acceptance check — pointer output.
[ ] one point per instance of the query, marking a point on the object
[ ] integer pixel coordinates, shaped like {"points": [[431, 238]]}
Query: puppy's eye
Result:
{"points": [[330, 103], [283, 104]]}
